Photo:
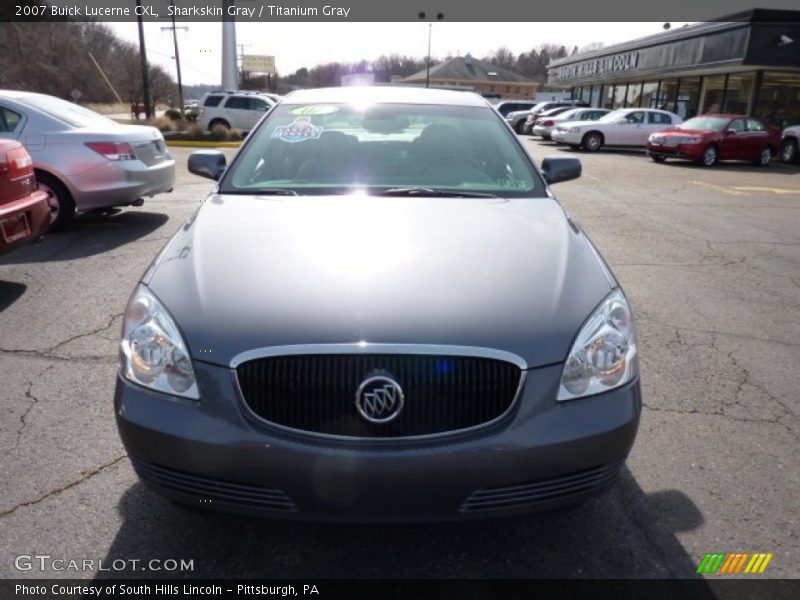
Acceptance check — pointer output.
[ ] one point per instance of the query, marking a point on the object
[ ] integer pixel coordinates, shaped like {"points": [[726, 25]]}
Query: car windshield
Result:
{"points": [[383, 148], [69, 113], [705, 123]]}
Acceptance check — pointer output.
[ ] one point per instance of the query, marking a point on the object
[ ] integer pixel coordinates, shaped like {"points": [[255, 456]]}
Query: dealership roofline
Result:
{"points": [[732, 21]]}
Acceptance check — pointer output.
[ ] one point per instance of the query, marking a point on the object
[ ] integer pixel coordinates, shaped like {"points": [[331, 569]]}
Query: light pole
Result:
{"points": [[230, 75]]}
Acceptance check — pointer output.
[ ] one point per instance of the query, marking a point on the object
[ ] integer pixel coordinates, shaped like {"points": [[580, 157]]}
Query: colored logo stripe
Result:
{"points": [[723, 563]]}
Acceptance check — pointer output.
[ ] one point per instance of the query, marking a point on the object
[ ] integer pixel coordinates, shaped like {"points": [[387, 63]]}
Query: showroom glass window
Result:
{"points": [[667, 95], [597, 96], [634, 94], [713, 94], [649, 91], [619, 95], [608, 97], [689, 97], [779, 99], [737, 96]]}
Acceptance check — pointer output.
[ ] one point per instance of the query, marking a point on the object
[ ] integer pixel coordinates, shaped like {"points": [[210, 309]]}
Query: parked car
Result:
{"points": [[385, 316], [517, 118], [508, 106], [83, 159], [239, 110], [545, 124], [552, 112], [24, 209], [790, 142], [622, 127], [710, 138]]}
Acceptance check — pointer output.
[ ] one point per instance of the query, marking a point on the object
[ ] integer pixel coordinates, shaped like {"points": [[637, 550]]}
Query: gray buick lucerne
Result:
{"points": [[380, 313]]}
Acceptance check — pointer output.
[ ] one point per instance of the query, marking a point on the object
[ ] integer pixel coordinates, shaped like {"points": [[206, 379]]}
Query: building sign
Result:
{"points": [[627, 61], [255, 63]]}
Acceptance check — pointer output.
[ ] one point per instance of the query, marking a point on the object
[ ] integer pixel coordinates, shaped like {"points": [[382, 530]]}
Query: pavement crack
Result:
{"points": [[64, 488], [23, 422], [51, 353]]}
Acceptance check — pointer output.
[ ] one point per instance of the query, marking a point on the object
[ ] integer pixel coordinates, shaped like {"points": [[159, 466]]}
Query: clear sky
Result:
{"points": [[296, 45]]}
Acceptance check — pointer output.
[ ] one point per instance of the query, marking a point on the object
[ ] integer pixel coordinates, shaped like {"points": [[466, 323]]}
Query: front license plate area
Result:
{"points": [[15, 228]]}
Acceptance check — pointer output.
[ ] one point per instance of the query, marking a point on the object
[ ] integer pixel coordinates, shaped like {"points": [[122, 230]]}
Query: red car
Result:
{"points": [[24, 209], [708, 139]]}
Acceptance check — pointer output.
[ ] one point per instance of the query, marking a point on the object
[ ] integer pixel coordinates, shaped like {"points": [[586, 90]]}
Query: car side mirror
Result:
{"points": [[730, 131], [207, 163], [556, 170]]}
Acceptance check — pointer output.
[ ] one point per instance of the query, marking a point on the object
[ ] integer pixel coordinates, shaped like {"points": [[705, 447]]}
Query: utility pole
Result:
{"points": [[177, 56], [148, 109], [428, 62]]}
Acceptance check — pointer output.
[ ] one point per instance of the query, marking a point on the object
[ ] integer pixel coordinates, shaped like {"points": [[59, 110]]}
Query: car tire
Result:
{"points": [[592, 142], [547, 138], [658, 159], [789, 151], [62, 205], [764, 157], [709, 157], [520, 127], [216, 122]]}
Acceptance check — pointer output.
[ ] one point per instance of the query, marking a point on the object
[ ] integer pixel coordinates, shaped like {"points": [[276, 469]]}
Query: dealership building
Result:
{"points": [[746, 63]]}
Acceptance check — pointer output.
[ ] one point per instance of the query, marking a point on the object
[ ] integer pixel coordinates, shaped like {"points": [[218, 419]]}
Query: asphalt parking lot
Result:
{"points": [[711, 262]]}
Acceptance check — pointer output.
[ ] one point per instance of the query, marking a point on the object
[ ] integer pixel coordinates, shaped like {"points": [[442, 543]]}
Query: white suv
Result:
{"points": [[239, 110]]}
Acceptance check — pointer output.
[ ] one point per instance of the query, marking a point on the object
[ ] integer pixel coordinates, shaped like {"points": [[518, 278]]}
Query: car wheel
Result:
{"points": [[592, 142], [547, 137], [765, 157], [710, 156], [62, 206], [520, 127], [658, 159], [789, 151], [216, 122]]}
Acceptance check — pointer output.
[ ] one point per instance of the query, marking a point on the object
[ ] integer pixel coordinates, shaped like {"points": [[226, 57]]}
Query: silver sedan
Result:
{"points": [[83, 159]]}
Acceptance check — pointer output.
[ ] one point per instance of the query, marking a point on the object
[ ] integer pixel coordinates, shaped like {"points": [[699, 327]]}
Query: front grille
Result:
{"points": [[317, 393], [210, 491], [532, 493]]}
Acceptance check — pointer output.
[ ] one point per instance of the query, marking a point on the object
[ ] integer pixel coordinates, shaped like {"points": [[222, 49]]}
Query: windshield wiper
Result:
{"points": [[426, 191]]}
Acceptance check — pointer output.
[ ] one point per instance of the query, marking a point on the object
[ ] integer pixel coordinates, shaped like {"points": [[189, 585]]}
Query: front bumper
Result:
{"points": [[215, 454], [687, 151]]}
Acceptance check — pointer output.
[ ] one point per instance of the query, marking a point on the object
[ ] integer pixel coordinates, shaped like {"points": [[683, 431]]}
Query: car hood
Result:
{"points": [[248, 272]]}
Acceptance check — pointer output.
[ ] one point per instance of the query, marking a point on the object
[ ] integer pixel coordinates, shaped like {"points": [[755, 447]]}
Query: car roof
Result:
{"points": [[397, 94], [16, 94]]}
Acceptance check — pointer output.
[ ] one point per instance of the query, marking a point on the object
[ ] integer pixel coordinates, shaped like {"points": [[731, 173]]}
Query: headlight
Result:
{"points": [[689, 140], [152, 352], [604, 355]]}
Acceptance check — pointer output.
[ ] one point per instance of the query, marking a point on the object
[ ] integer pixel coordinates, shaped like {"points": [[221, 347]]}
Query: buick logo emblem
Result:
{"points": [[379, 399]]}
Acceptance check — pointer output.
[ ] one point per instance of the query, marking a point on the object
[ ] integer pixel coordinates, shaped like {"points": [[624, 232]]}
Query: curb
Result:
{"points": [[202, 144]]}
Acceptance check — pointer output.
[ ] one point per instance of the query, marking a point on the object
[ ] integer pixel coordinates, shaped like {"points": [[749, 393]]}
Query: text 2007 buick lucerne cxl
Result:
{"points": [[380, 313]]}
